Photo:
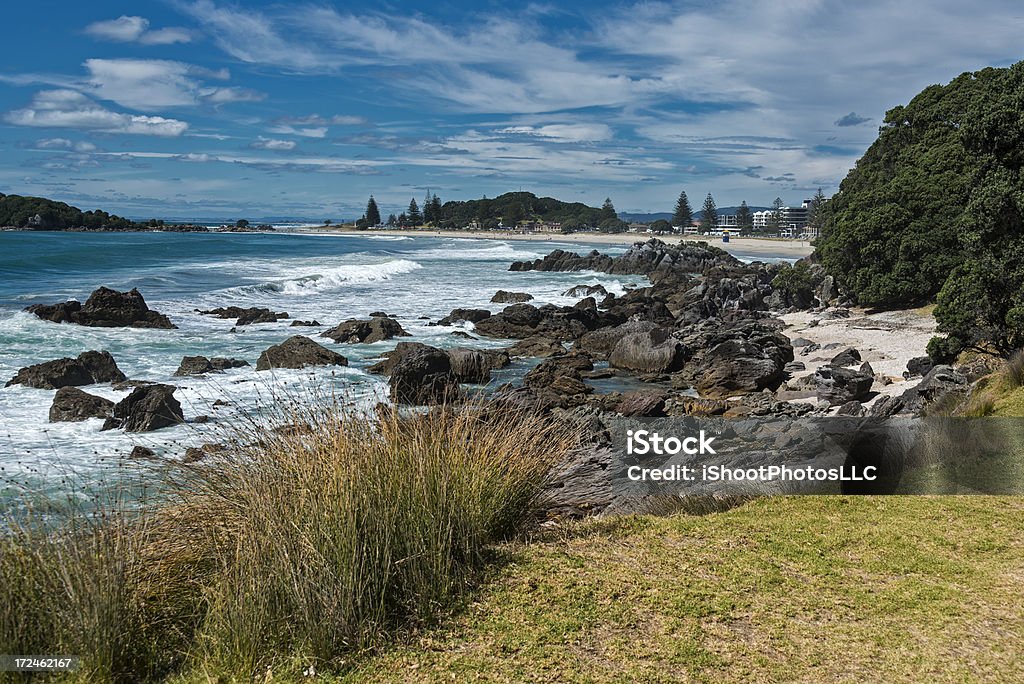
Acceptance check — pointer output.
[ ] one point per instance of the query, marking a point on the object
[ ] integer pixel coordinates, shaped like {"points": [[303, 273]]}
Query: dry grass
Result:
{"points": [[297, 550]]}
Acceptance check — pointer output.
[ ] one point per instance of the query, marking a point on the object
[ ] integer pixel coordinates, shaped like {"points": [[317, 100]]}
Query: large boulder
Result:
{"points": [[105, 308], [72, 405], [536, 346], [561, 375], [147, 408], [520, 321], [198, 365], [653, 351], [376, 329], [585, 291], [249, 316], [642, 403], [602, 341], [464, 315], [470, 365], [838, 385], [424, 377], [88, 368], [505, 297], [390, 359], [938, 383], [298, 352]]}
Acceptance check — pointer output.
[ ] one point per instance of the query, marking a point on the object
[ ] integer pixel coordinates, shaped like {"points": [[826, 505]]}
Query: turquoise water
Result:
{"points": [[325, 277]]}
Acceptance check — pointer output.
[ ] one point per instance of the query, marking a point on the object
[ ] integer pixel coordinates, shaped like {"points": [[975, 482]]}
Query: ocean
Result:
{"points": [[329, 278]]}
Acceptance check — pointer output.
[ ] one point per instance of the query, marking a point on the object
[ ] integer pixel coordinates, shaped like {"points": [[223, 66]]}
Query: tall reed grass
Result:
{"points": [[295, 549]]}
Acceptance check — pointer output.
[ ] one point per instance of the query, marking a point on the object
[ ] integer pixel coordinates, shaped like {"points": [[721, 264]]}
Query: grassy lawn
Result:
{"points": [[785, 589]]}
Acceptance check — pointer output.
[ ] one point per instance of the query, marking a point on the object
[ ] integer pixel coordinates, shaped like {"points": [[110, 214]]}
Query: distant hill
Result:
{"points": [[667, 215], [516, 206]]}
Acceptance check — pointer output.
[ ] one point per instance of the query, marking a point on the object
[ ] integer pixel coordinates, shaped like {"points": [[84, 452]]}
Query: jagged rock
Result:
{"points": [[305, 324], [643, 258], [731, 357], [602, 341], [424, 377], [940, 382], [919, 365], [654, 351], [193, 454], [198, 365], [585, 291], [130, 384], [377, 329], [464, 315], [462, 334], [105, 308], [866, 369], [71, 404], [505, 297], [536, 346], [247, 316], [642, 403], [140, 451], [88, 368], [794, 367], [838, 385], [851, 408], [298, 352], [147, 408], [567, 365], [847, 357]]}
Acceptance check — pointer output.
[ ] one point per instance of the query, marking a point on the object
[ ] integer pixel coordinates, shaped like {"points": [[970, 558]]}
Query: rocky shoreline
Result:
{"points": [[707, 336]]}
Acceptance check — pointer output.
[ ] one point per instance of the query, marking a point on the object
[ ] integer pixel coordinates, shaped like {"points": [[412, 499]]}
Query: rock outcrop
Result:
{"points": [[505, 297], [88, 368], [147, 408], [376, 329], [247, 316], [72, 405], [424, 377], [199, 365], [651, 351], [105, 308], [298, 352]]}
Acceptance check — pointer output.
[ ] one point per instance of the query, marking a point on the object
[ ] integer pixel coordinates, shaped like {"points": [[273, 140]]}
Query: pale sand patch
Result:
{"points": [[886, 340], [749, 247]]}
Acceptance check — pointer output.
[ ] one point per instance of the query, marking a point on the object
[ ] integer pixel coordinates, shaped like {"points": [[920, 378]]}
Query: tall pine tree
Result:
{"points": [[413, 215], [608, 210], [744, 218], [372, 213], [435, 209], [816, 212], [683, 216], [708, 215], [775, 218]]}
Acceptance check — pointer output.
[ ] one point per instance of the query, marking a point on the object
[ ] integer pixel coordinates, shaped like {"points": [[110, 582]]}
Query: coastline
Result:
{"points": [[748, 246]]}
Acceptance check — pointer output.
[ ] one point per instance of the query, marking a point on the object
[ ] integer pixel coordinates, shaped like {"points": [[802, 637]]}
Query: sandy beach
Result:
{"points": [[746, 246]]}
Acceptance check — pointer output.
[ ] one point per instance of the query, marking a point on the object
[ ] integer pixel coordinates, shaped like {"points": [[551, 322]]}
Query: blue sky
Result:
{"points": [[204, 108]]}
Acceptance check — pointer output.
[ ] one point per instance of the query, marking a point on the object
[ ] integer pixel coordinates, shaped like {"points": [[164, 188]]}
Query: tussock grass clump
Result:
{"points": [[299, 548]]}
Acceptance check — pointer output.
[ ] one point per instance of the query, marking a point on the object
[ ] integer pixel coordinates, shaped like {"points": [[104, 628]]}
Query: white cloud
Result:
{"points": [[273, 145], [72, 110], [315, 132], [133, 29], [65, 144], [567, 133]]}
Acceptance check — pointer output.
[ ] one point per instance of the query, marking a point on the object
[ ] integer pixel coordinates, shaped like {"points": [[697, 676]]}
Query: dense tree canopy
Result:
{"points": [[683, 214], [43, 214], [936, 207], [372, 212]]}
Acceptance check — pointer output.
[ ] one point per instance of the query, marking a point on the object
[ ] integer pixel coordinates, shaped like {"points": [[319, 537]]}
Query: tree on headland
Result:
{"points": [[683, 215], [372, 212], [412, 215], [608, 210], [327, 222], [612, 225], [241, 223], [708, 215], [744, 218]]}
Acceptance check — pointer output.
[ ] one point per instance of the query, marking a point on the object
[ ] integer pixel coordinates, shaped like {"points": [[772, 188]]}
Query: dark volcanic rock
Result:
{"points": [[940, 382], [105, 308], [147, 408], [461, 315], [377, 329], [585, 291], [847, 357], [424, 377], [469, 365], [520, 321], [140, 451], [919, 365], [643, 258], [536, 346], [561, 376], [653, 351], [198, 365], [390, 359], [602, 341], [505, 297], [248, 316], [642, 403], [298, 352], [305, 324], [89, 368], [71, 404], [838, 385]]}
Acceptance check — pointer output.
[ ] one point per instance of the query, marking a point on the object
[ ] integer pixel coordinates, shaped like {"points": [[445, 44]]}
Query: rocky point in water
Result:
{"points": [[105, 308]]}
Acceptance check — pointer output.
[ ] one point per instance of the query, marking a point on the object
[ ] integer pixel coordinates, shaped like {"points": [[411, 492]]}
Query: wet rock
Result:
{"points": [[585, 291], [464, 315], [298, 352], [88, 368], [536, 346], [71, 404], [198, 365], [130, 384], [305, 324], [141, 452], [105, 308], [424, 377], [643, 258], [505, 297], [462, 334], [469, 365], [390, 359], [193, 454], [377, 329], [147, 408], [249, 316]]}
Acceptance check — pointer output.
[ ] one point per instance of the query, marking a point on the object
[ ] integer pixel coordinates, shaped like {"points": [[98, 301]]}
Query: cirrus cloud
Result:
{"points": [[135, 29], [72, 110]]}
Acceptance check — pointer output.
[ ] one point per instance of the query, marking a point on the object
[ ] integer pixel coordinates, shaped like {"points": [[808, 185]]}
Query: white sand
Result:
{"points": [[886, 340]]}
